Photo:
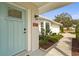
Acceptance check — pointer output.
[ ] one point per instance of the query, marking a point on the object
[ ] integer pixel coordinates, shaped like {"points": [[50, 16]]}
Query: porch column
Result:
{"points": [[29, 30], [35, 31]]}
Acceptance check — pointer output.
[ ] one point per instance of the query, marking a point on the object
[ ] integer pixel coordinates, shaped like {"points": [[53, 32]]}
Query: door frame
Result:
{"points": [[28, 18]]}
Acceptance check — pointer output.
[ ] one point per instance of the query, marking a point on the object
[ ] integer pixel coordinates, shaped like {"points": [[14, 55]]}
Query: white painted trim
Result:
{"points": [[16, 5], [50, 20], [29, 30]]}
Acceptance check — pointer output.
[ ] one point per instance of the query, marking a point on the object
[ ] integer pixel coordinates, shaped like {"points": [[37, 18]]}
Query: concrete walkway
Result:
{"points": [[63, 47]]}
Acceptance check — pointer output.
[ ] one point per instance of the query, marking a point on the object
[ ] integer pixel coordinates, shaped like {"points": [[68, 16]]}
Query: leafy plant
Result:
{"points": [[42, 31], [47, 29], [53, 34], [61, 29], [43, 39], [55, 38], [77, 32], [42, 42], [46, 36], [65, 19]]}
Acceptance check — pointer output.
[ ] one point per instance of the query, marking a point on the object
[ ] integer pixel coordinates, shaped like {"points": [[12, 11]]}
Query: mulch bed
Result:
{"points": [[75, 47], [46, 46]]}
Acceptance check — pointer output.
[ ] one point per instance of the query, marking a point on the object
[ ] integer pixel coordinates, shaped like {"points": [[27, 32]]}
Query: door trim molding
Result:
{"points": [[29, 12], [16, 5]]}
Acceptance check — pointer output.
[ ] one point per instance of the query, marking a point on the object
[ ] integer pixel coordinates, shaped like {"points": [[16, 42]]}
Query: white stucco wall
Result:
{"points": [[35, 38], [39, 27], [35, 31], [44, 24], [55, 28]]}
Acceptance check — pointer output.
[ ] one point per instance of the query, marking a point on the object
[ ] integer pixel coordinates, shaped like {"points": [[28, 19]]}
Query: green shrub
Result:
{"points": [[55, 38], [43, 39], [60, 36], [42, 42], [61, 29], [72, 32], [42, 31], [50, 33], [53, 34], [77, 32]]}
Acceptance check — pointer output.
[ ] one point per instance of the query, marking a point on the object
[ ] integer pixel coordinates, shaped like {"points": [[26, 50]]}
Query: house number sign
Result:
{"points": [[35, 23]]}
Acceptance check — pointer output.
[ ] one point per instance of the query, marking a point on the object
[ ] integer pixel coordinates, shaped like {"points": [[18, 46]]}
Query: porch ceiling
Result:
{"points": [[39, 4], [47, 6], [43, 6]]}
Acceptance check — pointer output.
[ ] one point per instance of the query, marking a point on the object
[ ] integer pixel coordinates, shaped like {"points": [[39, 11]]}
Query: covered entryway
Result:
{"points": [[13, 35], [12, 29]]}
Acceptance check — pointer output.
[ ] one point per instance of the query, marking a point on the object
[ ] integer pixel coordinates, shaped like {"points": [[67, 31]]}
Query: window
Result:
{"points": [[42, 27], [42, 24], [14, 13], [47, 28], [47, 25]]}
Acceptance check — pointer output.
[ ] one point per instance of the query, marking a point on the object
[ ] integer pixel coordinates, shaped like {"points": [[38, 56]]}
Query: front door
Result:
{"points": [[12, 30]]}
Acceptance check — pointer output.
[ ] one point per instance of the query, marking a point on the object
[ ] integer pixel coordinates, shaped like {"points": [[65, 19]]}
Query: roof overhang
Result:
{"points": [[49, 20], [42, 6], [48, 6]]}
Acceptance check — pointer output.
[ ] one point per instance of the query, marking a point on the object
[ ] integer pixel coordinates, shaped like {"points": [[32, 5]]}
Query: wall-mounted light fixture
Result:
{"points": [[36, 17]]}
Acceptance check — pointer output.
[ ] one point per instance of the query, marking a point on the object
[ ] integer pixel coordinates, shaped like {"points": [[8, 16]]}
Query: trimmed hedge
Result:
{"points": [[62, 29], [44, 39], [77, 32], [55, 38]]}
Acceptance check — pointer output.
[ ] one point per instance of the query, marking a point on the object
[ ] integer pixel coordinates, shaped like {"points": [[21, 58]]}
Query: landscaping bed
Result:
{"points": [[46, 46], [75, 42], [72, 32], [75, 47], [48, 40]]}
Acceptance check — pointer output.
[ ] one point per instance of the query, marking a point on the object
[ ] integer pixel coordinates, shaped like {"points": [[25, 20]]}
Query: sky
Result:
{"points": [[72, 9]]}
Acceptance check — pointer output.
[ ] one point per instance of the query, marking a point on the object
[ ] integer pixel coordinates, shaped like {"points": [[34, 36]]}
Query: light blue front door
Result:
{"points": [[12, 36]]}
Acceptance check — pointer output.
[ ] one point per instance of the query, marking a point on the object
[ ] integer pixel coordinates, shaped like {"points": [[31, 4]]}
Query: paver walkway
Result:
{"points": [[63, 48]]}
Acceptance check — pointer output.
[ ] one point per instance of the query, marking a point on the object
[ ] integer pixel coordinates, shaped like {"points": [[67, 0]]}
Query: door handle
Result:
{"points": [[24, 30]]}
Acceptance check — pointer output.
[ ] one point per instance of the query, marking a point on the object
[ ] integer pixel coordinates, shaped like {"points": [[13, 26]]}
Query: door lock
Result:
{"points": [[24, 32], [24, 29]]}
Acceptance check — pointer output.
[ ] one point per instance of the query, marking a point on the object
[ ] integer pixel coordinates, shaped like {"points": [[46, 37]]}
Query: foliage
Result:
{"points": [[75, 22], [43, 38], [55, 38], [72, 32], [65, 19], [42, 31], [47, 31], [53, 34], [77, 32], [62, 29], [42, 42], [47, 28]]}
